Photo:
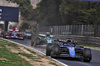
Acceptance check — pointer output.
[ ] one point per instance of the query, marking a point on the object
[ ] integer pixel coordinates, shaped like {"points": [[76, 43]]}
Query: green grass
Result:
{"points": [[8, 58], [34, 58], [12, 59], [28, 55], [53, 63], [31, 51], [37, 60], [90, 46]]}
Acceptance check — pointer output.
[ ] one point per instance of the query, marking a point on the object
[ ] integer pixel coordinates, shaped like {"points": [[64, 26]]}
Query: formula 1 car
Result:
{"points": [[17, 34], [43, 39], [69, 49], [13, 34]]}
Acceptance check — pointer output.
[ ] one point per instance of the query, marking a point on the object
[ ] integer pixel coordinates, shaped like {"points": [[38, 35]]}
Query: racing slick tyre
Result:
{"points": [[43, 42], [55, 50], [37, 41], [87, 55], [48, 49], [4, 35], [52, 54]]}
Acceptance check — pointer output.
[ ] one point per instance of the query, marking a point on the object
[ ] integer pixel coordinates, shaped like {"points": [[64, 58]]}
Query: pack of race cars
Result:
{"points": [[16, 34], [56, 47], [13, 34], [64, 48]]}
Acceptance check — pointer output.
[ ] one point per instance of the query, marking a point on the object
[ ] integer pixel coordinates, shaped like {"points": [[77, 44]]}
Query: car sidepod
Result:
{"points": [[20, 36], [48, 49], [14, 35], [71, 51]]}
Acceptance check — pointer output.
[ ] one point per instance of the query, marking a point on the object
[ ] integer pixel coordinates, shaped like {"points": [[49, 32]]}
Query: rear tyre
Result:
{"points": [[87, 55], [52, 54], [55, 50], [37, 41], [48, 49], [4, 35], [42, 42]]}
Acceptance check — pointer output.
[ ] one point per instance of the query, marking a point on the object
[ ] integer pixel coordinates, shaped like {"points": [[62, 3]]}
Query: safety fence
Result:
{"points": [[80, 30], [84, 34]]}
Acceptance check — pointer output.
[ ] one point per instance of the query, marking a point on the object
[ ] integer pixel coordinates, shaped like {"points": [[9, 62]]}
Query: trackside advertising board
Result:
{"points": [[90, 0], [9, 13]]}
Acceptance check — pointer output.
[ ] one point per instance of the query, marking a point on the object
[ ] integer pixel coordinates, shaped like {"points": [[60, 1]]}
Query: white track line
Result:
{"points": [[35, 50]]}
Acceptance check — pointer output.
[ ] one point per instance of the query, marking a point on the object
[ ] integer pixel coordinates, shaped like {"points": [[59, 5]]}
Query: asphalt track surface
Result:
{"points": [[70, 62]]}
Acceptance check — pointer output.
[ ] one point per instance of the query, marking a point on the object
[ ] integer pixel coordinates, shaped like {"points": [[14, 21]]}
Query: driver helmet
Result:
{"points": [[48, 33], [68, 40]]}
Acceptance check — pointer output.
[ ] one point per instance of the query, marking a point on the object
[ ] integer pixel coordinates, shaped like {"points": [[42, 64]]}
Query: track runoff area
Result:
{"points": [[31, 48]]}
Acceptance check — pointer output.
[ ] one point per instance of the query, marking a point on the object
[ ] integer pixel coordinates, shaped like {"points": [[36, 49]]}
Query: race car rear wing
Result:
{"points": [[59, 40], [64, 41], [43, 35]]}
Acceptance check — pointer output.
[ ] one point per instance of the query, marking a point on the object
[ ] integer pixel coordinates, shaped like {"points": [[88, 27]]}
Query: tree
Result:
{"points": [[48, 12], [67, 12], [24, 26]]}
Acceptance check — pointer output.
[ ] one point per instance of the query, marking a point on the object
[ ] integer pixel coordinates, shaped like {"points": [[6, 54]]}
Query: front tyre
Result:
{"points": [[52, 54], [55, 51], [36, 41], [87, 55], [48, 49]]}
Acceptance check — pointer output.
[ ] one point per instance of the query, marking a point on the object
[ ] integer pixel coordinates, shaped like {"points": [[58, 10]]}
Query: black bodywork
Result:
{"points": [[13, 34]]}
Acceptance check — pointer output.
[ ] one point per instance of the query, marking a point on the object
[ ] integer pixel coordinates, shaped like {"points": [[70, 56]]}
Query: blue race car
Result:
{"points": [[69, 49]]}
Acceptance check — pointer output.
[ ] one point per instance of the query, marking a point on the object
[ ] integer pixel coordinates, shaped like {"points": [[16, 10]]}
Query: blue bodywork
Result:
{"points": [[72, 51], [14, 35], [71, 48]]}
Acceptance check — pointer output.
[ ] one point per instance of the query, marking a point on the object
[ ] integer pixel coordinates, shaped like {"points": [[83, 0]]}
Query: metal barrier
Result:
{"points": [[84, 34], [81, 30]]}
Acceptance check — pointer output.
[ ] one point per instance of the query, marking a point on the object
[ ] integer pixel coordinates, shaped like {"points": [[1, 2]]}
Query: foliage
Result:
{"points": [[25, 25], [67, 12], [80, 12], [61, 12], [47, 12]]}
